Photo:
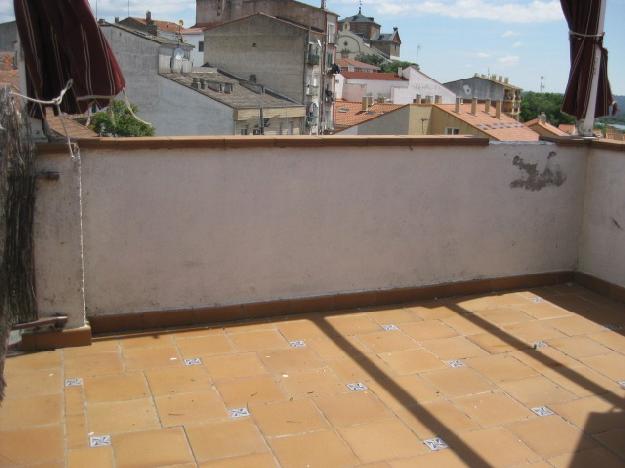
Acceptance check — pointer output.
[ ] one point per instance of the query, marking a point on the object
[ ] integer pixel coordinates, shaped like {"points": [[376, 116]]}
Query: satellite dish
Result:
{"points": [[178, 53]]}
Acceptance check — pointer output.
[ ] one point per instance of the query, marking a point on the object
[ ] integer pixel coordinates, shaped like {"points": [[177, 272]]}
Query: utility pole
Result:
{"points": [[542, 84]]}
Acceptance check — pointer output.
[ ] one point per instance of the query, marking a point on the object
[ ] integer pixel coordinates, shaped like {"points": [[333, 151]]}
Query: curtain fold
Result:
{"points": [[582, 17], [61, 40]]}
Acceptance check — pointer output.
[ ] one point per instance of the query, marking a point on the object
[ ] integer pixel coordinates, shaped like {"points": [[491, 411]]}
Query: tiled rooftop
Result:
{"points": [[532, 377], [348, 113], [372, 76]]}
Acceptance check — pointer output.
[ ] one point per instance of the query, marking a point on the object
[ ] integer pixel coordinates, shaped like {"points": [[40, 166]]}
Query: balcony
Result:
{"points": [[312, 59], [325, 301]]}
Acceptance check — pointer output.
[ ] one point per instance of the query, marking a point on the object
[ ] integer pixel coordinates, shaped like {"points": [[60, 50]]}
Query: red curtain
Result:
{"points": [[582, 17], [61, 40]]}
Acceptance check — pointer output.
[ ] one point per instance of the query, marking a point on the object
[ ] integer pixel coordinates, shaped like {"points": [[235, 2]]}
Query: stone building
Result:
{"points": [[285, 56], [369, 32]]}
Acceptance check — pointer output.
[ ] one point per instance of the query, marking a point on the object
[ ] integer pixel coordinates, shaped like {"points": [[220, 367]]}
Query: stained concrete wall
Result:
{"points": [[172, 108], [58, 240], [602, 246], [181, 228]]}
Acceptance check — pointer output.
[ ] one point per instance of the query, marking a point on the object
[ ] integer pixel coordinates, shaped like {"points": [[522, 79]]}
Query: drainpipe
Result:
{"points": [[589, 119]]}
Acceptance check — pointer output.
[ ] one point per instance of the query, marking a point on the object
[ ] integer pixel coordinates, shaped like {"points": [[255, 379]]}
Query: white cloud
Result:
{"points": [[482, 55], [509, 33], [509, 60], [508, 11], [517, 44]]}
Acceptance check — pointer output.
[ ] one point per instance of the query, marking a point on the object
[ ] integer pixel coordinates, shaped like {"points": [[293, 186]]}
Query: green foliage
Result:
{"points": [[550, 103], [371, 59], [391, 67], [118, 121]]}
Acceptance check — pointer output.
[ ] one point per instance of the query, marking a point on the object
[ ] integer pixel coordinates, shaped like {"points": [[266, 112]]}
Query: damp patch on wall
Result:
{"points": [[533, 178]]}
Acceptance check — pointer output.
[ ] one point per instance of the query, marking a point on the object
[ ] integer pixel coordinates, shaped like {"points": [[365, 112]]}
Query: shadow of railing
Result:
{"points": [[410, 403]]}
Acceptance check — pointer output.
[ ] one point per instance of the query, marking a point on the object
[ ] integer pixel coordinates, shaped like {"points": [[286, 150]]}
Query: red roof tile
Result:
{"points": [[545, 127], [502, 129], [347, 114]]}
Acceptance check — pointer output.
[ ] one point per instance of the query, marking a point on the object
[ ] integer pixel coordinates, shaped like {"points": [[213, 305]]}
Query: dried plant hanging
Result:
{"points": [[17, 204]]}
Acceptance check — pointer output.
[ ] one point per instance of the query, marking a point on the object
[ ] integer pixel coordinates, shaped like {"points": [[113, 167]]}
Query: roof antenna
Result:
{"points": [[359, 6], [129, 8]]}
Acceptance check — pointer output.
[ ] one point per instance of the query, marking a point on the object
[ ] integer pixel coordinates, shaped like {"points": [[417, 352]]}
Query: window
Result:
{"points": [[452, 131], [200, 46], [331, 32], [244, 131]]}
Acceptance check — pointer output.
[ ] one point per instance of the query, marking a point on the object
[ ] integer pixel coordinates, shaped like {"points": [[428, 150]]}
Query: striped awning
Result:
{"points": [[61, 41], [583, 18]]}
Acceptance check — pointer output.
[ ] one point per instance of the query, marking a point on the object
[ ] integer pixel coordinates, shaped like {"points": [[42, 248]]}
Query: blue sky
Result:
{"points": [[450, 39]]}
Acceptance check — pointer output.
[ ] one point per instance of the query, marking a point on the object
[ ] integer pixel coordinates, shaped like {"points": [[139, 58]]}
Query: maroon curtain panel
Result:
{"points": [[582, 17], [61, 40]]}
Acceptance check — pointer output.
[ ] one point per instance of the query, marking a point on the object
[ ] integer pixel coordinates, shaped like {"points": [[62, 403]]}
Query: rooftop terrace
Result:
{"points": [[328, 301]]}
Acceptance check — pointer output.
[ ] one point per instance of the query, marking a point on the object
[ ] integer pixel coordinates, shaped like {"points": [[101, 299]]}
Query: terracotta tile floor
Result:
{"points": [[279, 392]]}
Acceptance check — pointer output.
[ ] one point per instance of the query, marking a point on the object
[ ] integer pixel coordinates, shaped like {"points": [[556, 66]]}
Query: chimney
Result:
{"points": [[195, 83], [380, 100], [202, 83], [498, 109], [505, 80], [365, 103], [474, 106], [458, 103], [487, 106], [116, 19], [542, 117], [148, 17], [438, 99], [417, 99], [500, 78], [399, 71], [428, 99]]}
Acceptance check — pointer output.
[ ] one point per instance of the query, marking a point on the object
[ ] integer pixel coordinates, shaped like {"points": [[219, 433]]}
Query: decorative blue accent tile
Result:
{"points": [[297, 344], [74, 382], [357, 387], [196, 361], [540, 345], [542, 411], [435, 444], [622, 383], [390, 327], [456, 363], [99, 441], [537, 300], [236, 413]]}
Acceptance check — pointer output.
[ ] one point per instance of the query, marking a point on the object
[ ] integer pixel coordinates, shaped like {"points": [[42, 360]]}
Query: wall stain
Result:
{"points": [[535, 180], [616, 223]]}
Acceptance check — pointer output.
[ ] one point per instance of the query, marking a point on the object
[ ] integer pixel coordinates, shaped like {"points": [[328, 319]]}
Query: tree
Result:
{"points": [[371, 59], [533, 104], [391, 67], [118, 121]]}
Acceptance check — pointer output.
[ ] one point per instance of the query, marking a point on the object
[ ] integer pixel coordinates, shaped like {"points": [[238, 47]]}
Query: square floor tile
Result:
{"points": [[18, 446], [115, 387], [314, 449], [436, 418], [33, 361], [300, 329], [147, 341], [288, 417], [291, 360], [396, 316], [598, 457], [145, 358], [579, 346], [433, 310], [31, 383], [257, 460], [95, 364], [499, 447], [492, 409], [536, 391], [160, 447], [614, 440], [574, 325], [259, 340], [503, 316], [311, 383], [122, 416], [551, 436], [225, 439], [347, 409], [465, 324], [491, 342], [412, 361], [215, 343], [582, 381], [352, 324], [613, 340], [500, 368], [404, 391], [458, 382], [178, 380], [246, 391], [101, 457], [394, 340], [35, 410], [457, 347], [231, 366], [592, 414], [428, 330], [611, 365], [385, 439], [189, 408]]}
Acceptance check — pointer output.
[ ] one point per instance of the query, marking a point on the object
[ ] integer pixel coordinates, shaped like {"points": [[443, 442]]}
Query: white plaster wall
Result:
{"points": [[197, 57], [57, 241], [422, 85], [181, 228], [373, 88], [602, 247]]}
